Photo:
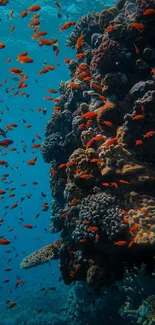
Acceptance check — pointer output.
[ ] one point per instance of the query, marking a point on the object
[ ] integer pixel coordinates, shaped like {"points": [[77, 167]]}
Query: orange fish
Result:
{"points": [[12, 28], [40, 33], [122, 181], [139, 142], [89, 114], [133, 228], [32, 161], [14, 206], [120, 243], [25, 59], [96, 86], [85, 176], [15, 70], [149, 134], [45, 70], [79, 42], [67, 25], [28, 225], [108, 123], [93, 229], [71, 163], [12, 304], [138, 117], [11, 13], [62, 166], [36, 145], [138, 26], [82, 241], [34, 8], [149, 12], [110, 141], [52, 91], [110, 28], [23, 14], [34, 23], [5, 242], [2, 192], [131, 243], [2, 45], [74, 85], [80, 56], [136, 49]]}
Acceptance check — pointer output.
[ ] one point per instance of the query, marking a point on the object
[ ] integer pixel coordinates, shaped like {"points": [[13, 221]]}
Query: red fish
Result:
{"points": [[29, 226], [138, 117], [5, 143], [4, 242], [34, 8], [67, 25], [149, 12]]}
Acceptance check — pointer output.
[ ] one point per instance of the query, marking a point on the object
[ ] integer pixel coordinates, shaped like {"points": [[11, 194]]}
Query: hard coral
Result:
{"points": [[103, 213], [100, 143]]}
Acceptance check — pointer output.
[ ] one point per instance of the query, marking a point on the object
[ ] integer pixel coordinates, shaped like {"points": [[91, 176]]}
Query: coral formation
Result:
{"points": [[100, 143]]}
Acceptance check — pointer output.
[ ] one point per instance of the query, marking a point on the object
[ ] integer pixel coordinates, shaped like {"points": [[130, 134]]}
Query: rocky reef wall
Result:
{"points": [[100, 144]]}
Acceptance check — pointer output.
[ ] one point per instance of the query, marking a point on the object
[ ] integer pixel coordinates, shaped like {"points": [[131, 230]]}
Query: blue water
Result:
{"points": [[14, 109]]}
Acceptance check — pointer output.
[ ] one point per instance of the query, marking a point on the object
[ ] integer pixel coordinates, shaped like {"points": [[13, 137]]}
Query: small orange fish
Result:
{"points": [[131, 243], [138, 117], [81, 126], [139, 142], [12, 304], [67, 25], [36, 145], [5, 242], [110, 28], [89, 115], [34, 8], [108, 123], [149, 134], [25, 59], [23, 14], [110, 141], [79, 42], [80, 56], [82, 241], [62, 166], [2, 45], [28, 225], [149, 12], [32, 161], [34, 23], [120, 243], [106, 184], [122, 181], [93, 229], [133, 228], [85, 176], [138, 26]]}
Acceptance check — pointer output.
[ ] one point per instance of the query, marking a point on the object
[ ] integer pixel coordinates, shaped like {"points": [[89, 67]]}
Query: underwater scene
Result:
{"points": [[77, 162]]}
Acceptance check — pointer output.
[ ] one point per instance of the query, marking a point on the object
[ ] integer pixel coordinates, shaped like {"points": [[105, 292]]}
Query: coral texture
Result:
{"points": [[100, 143]]}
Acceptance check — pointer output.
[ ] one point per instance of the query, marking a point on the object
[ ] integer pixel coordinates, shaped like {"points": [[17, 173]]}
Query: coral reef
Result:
{"points": [[100, 143]]}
